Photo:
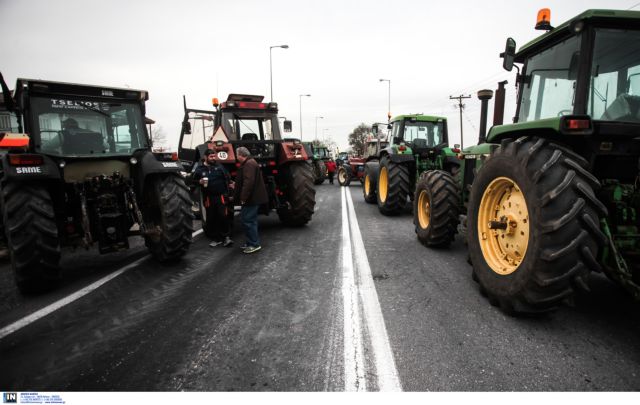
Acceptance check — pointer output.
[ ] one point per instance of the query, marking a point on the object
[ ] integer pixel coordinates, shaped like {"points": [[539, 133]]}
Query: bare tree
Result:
{"points": [[358, 138], [158, 137]]}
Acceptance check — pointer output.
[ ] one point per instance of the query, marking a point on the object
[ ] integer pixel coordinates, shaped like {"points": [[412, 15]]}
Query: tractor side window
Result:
{"points": [[550, 80], [614, 88], [8, 122]]}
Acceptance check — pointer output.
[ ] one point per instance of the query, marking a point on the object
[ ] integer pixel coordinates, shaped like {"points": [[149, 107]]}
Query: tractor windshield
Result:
{"points": [[251, 125], [614, 88], [76, 127], [549, 82], [423, 134]]}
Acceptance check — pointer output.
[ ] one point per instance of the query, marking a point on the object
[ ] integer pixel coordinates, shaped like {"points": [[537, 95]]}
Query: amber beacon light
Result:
{"points": [[544, 20]]}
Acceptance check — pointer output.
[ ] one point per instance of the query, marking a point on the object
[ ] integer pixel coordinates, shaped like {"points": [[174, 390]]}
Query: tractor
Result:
{"points": [[555, 196], [318, 156], [418, 143], [353, 167], [245, 120], [79, 171]]}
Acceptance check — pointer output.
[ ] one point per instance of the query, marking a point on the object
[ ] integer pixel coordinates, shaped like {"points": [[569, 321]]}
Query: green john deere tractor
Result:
{"points": [[418, 143], [555, 195], [319, 155]]}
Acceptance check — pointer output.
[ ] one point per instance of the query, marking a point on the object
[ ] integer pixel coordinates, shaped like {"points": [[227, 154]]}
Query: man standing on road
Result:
{"points": [[331, 169], [250, 193], [215, 180]]}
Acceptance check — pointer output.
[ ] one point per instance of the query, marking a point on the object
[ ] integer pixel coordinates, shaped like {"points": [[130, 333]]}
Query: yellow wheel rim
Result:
{"points": [[503, 226], [383, 184], [424, 209], [367, 185]]}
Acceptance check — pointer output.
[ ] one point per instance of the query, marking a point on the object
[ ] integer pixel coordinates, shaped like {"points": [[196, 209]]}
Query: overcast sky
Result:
{"points": [[338, 51]]}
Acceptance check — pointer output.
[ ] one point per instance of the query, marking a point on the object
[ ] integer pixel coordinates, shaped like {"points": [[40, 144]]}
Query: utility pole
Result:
{"points": [[461, 107]]}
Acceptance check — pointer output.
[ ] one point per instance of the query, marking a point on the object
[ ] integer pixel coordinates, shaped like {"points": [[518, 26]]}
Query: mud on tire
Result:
{"points": [[435, 208], [32, 236], [167, 215], [393, 187], [299, 194], [562, 220]]}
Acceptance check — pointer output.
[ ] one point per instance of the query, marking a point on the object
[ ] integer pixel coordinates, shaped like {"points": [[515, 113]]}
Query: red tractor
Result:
{"points": [[353, 166], [245, 120]]}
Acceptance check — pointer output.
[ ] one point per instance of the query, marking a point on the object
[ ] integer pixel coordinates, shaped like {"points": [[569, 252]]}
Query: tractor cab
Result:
{"points": [[76, 121], [418, 132]]}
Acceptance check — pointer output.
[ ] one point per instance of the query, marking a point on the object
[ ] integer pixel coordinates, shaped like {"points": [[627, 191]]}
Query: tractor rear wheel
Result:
{"points": [[533, 225], [32, 236], [344, 175], [319, 171], [168, 218], [300, 195], [370, 182], [435, 208], [393, 187]]}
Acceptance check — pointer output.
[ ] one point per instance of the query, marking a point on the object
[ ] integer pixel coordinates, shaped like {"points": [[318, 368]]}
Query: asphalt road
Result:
{"points": [[292, 317]]}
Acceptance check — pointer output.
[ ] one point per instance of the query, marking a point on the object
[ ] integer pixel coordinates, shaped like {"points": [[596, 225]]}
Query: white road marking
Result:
{"points": [[354, 378], [357, 279], [41, 313]]}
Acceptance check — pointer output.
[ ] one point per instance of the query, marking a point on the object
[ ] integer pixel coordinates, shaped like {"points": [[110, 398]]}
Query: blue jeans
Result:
{"points": [[249, 219]]}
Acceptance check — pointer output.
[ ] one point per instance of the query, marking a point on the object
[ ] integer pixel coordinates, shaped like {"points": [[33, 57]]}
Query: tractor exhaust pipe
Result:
{"points": [[498, 104], [484, 96]]}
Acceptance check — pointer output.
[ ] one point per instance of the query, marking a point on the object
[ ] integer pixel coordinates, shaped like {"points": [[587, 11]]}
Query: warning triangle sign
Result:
{"points": [[219, 135]]}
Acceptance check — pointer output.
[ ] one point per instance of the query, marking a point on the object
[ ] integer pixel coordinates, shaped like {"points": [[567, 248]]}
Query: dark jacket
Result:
{"points": [[250, 188], [218, 178]]}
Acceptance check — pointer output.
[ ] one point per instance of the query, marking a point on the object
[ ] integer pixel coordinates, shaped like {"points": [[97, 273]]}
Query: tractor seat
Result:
{"points": [[249, 136], [82, 142]]}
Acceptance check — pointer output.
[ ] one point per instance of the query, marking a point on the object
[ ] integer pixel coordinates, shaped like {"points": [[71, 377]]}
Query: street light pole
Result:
{"points": [[302, 95], [317, 126], [270, 65], [389, 99]]}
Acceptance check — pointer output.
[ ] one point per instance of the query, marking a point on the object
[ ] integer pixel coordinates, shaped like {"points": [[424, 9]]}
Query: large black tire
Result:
{"points": [[393, 187], [435, 208], [319, 171], [32, 236], [299, 194], [168, 218], [344, 175], [547, 202], [369, 184]]}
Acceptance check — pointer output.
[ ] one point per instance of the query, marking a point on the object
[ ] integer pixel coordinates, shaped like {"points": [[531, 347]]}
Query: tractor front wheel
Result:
{"points": [[370, 182], [435, 208], [344, 175], [393, 187], [533, 225]]}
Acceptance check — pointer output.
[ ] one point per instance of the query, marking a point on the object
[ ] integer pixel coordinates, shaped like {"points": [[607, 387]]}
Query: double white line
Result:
{"points": [[362, 308]]}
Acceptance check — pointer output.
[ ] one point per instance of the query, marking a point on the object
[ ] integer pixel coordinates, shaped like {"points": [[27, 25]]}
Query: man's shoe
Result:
{"points": [[227, 242], [251, 249], [215, 243]]}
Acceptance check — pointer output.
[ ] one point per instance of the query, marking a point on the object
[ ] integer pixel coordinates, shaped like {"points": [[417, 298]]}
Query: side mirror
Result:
{"points": [[509, 54], [287, 125], [186, 127], [374, 129]]}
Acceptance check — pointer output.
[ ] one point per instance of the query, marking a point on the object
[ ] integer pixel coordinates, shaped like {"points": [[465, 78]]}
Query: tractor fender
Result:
{"points": [[48, 170], [148, 165]]}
